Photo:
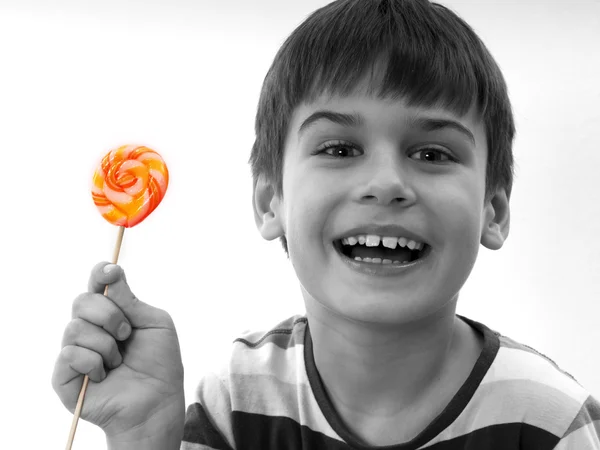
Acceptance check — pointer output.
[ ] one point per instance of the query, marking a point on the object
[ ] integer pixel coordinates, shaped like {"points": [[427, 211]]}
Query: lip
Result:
{"points": [[383, 270], [382, 230]]}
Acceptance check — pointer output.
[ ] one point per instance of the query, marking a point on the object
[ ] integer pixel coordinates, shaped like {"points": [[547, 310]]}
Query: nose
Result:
{"points": [[388, 183]]}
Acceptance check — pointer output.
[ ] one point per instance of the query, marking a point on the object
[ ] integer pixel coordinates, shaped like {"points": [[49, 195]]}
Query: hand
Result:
{"points": [[131, 354]]}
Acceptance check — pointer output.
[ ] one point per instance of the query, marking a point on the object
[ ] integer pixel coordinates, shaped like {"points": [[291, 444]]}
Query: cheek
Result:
{"points": [[304, 229], [458, 215], [460, 249], [306, 232]]}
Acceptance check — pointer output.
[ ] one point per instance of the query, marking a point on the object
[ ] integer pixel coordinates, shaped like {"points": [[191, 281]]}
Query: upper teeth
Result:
{"points": [[372, 240]]}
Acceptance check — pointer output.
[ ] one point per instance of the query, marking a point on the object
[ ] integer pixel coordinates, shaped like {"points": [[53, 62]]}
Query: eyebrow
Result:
{"points": [[434, 124], [347, 120], [356, 120]]}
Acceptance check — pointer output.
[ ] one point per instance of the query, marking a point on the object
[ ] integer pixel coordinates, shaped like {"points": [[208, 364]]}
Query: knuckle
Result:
{"points": [[57, 380], [74, 329], [104, 342], [68, 334], [68, 353], [95, 367], [161, 312], [54, 381], [77, 327], [113, 320], [165, 317], [97, 360], [78, 303]]}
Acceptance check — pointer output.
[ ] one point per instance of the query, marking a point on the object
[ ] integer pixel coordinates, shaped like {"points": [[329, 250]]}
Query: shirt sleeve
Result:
{"points": [[208, 420], [584, 431]]}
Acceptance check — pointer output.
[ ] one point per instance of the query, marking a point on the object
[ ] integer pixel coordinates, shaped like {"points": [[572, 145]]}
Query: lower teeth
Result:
{"points": [[379, 261]]}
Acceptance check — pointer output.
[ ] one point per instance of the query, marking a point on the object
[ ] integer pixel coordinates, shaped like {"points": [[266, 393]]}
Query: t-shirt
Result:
{"points": [[270, 396]]}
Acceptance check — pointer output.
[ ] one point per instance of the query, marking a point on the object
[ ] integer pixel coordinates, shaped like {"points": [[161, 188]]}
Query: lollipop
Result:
{"points": [[127, 186]]}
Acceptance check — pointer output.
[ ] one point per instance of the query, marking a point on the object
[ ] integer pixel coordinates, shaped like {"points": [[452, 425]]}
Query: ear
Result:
{"points": [[268, 209], [496, 218]]}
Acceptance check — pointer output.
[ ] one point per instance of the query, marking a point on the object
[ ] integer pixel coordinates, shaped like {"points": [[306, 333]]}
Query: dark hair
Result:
{"points": [[430, 57]]}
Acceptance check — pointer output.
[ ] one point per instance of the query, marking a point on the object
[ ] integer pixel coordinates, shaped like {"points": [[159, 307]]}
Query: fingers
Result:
{"points": [[102, 275], [99, 310], [80, 333], [139, 314], [88, 348], [70, 366]]}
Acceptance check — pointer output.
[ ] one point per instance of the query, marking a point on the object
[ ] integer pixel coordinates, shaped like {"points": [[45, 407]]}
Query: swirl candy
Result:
{"points": [[129, 184]]}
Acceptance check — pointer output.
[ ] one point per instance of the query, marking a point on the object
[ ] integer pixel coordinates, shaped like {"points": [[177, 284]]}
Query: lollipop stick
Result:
{"points": [[86, 379]]}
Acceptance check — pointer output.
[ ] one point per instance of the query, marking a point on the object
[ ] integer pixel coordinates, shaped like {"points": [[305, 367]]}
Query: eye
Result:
{"points": [[432, 151], [337, 149]]}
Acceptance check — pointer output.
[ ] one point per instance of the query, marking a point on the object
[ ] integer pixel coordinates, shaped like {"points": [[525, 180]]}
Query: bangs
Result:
{"points": [[410, 52]]}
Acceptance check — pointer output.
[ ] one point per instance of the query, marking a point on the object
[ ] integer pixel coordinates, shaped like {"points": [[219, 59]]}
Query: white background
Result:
{"points": [[80, 77]]}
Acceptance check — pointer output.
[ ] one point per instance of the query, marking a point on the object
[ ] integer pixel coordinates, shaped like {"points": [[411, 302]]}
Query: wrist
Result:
{"points": [[151, 439], [158, 433]]}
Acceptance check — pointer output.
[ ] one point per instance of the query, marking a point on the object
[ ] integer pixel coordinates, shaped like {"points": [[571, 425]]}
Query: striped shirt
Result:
{"points": [[269, 396]]}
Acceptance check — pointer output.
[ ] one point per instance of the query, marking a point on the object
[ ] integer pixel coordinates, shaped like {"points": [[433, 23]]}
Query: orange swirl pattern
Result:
{"points": [[129, 184]]}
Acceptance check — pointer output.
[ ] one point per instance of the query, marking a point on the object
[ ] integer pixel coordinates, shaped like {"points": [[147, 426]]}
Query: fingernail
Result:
{"points": [[123, 331], [108, 268]]}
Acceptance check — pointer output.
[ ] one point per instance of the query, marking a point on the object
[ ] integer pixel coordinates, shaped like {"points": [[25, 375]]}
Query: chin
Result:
{"points": [[378, 309]]}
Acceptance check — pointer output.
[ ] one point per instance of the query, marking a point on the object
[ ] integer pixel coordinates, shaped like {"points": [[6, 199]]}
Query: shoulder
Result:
{"points": [[259, 377], [258, 356], [528, 387], [284, 335]]}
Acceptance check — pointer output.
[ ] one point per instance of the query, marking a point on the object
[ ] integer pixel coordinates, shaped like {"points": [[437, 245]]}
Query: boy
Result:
{"points": [[382, 161]]}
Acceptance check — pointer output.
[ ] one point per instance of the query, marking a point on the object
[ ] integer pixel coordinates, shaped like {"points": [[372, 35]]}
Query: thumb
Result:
{"points": [[139, 314]]}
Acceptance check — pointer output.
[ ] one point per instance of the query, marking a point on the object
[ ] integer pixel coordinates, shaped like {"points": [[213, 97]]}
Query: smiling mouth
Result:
{"points": [[380, 253]]}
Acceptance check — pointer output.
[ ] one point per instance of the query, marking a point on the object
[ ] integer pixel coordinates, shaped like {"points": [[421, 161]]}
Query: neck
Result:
{"points": [[372, 370]]}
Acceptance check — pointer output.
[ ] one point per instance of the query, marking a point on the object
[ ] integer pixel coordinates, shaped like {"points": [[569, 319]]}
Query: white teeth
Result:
{"points": [[390, 242], [372, 240], [379, 261]]}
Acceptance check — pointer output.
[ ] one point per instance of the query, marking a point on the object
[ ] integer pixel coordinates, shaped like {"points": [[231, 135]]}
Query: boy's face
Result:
{"points": [[388, 171]]}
